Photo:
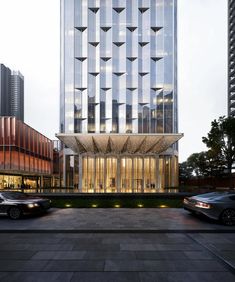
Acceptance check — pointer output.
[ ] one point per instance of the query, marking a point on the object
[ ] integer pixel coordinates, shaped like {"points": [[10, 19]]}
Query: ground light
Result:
{"points": [[94, 206], [117, 206], [140, 206], [67, 205], [163, 206]]}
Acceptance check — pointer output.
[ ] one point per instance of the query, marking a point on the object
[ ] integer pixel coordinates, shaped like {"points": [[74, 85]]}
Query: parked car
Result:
{"points": [[215, 205], [15, 204]]}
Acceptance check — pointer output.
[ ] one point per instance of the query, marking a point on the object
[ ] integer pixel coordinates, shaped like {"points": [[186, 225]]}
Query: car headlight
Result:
{"points": [[185, 201], [202, 205], [32, 205]]}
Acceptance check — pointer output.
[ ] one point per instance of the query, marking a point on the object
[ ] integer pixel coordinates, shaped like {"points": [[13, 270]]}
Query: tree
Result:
{"points": [[221, 143], [185, 171]]}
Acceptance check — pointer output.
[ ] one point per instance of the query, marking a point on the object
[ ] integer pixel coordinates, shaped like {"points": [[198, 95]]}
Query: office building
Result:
{"points": [[118, 103], [26, 156], [231, 58], [11, 93]]}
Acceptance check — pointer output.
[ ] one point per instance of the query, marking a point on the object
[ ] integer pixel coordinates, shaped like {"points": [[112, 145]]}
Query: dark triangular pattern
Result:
{"points": [[131, 88], [94, 43], [118, 10], [109, 146], [94, 103], [131, 58], [81, 88], [94, 73], [105, 58], [131, 28], [124, 148], [156, 58], [105, 28], [156, 28], [119, 104], [156, 88], [81, 58], [94, 10], [81, 28], [143, 9], [118, 44], [142, 104], [143, 73], [143, 43], [96, 148], [118, 73], [105, 88]]}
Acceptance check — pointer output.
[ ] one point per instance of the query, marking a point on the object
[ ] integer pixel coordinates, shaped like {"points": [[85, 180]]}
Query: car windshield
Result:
{"points": [[15, 195]]}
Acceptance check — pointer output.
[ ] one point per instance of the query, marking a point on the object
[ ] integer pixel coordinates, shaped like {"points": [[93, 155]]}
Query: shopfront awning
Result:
{"points": [[118, 143]]}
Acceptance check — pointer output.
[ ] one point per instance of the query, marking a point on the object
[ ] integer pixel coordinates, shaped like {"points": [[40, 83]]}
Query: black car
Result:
{"points": [[15, 204]]}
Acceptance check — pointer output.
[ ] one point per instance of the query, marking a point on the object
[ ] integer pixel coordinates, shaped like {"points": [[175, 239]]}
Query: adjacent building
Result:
{"points": [[231, 58], [11, 93], [26, 156], [118, 101]]}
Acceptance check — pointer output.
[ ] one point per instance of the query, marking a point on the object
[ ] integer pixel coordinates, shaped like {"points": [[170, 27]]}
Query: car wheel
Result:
{"points": [[227, 217], [14, 213]]}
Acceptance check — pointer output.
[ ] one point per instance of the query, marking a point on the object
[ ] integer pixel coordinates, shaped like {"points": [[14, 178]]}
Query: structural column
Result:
{"points": [[118, 175], [80, 173]]}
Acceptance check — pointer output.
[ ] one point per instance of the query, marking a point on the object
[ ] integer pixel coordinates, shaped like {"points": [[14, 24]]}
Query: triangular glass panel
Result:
{"points": [[94, 43], [143, 43], [143, 73], [119, 73], [105, 58], [94, 10], [118, 44], [118, 10], [131, 58], [155, 59], [156, 28], [131, 28], [105, 28], [81, 88], [143, 9], [81, 59], [94, 73], [105, 88], [81, 28], [156, 88], [131, 88]]}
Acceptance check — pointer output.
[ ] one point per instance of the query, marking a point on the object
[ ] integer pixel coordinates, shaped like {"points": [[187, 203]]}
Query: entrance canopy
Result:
{"points": [[118, 143]]}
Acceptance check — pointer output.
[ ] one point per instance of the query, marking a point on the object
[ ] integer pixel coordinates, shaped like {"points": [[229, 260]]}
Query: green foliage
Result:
{"points": [[221, 143]]}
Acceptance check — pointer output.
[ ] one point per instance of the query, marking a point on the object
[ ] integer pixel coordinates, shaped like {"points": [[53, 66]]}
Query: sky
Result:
{"points": [[30, 43]]}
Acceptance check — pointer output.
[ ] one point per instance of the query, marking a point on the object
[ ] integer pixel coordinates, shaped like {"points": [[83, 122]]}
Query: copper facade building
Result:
{"points": [[26, 156]]}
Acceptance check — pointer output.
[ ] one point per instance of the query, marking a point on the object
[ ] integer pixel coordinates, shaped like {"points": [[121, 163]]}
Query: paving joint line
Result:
{"points": [[184, 231], [215, 254]]}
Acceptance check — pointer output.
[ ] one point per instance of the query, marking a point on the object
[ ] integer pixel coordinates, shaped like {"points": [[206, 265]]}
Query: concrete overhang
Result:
{"points": [[118, 143]]}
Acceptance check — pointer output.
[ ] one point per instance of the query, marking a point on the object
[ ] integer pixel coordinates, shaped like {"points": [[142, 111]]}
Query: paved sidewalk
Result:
{"points": [[96, 257], [96, 219]]}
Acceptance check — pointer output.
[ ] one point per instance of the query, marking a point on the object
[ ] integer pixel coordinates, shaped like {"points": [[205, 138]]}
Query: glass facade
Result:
{"points": [[23, 150], [118, 76], [231, 58]]}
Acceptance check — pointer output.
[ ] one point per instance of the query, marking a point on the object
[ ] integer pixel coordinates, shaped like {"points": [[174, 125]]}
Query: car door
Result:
{"points": [[4, 205]]}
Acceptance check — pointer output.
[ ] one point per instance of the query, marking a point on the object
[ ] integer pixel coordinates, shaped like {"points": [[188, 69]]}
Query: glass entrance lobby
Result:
{"points": [[127, 174]]}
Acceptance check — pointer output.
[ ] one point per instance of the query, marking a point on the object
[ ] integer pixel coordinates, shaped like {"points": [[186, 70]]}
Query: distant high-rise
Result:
{"points": [[118, 103], [11, 93], [231, 58], [17, 95], [5, 91]]}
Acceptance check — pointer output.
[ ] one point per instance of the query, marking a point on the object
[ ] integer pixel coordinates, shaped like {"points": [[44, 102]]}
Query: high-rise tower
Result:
{"points": [[11, 93], [118, 103], [231, 58]]}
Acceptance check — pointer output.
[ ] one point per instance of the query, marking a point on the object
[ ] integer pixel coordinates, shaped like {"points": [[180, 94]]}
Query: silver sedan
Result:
{"points": [[216, 205]]}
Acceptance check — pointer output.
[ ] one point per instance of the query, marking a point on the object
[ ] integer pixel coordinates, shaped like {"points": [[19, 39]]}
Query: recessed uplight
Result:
{"points": [[162, 206], [140, 206], [68, 205], [117, 206]]}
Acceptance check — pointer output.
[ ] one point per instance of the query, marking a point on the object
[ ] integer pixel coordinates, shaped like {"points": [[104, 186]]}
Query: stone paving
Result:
{"points": [[113, 219], [116, 245]]}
